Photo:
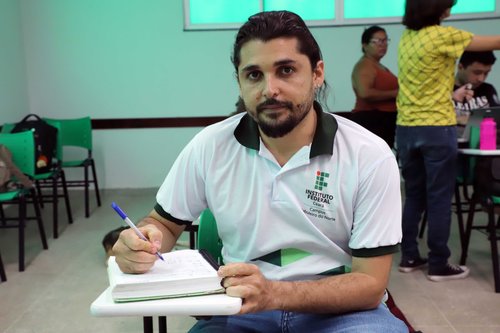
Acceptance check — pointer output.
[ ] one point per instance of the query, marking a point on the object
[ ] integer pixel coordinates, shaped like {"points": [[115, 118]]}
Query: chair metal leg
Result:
{"points": [[2, 215], [22, 222], [493, 245], [96, 186], [3, 276], [38, 215], [66, 196], [460, 219], [86, 186], [148, 324], [55, 210], [40, 194], [468, 229], [162, 324]]}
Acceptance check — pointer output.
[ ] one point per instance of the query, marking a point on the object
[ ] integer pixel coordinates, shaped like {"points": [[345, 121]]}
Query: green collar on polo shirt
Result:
{"points": [[247, 133]]}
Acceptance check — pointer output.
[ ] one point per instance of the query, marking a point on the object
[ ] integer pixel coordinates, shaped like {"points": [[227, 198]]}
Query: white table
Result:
{"points": [[209, 305], [478, 152]]}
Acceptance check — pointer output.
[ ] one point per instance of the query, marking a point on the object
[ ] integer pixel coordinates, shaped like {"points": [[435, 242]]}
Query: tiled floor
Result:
{"points": [[55, 291]]}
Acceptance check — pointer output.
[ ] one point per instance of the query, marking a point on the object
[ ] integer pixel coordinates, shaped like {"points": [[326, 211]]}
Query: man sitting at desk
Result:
{"points": [[471, 91], [307, 204]]}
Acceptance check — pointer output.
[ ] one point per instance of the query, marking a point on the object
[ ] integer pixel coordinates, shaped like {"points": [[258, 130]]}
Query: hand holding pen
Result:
{"points": [[132, 225]]}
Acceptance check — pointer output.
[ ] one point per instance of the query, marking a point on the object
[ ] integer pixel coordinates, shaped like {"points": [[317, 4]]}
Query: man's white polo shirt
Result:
{"points": [[337, 198]]}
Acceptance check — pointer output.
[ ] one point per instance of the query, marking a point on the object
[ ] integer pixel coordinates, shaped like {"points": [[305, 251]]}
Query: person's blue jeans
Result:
{"points": [[379, 320], [427, 156]]}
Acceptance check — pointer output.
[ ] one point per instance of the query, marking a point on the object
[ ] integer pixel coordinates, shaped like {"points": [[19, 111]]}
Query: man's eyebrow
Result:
{"points": [[284, 62], [279, 63], [249, 68]]}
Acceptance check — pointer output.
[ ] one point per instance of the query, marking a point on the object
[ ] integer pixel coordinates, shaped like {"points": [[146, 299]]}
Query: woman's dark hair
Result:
{"points": [[423, 13], [368, 34], [266, 26]]}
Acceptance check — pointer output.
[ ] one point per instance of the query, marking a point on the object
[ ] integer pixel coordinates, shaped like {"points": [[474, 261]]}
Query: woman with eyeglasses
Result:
{"points": [[375, 87], [426, 135]]}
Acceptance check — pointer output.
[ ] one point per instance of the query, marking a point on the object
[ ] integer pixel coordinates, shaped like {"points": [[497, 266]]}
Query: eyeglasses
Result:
{"points": [[380, 41]]}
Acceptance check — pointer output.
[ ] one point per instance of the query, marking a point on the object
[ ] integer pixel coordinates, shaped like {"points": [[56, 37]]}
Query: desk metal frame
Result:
{"points": [[148, 324]]}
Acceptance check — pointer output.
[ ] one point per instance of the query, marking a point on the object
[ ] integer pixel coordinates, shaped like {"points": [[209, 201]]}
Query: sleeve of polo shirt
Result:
{"points": [[377, 211], [182, 194], [454, 41]]}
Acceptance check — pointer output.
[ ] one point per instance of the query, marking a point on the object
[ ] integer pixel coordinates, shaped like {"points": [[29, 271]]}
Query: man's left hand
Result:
{"points": [[246, 281]]}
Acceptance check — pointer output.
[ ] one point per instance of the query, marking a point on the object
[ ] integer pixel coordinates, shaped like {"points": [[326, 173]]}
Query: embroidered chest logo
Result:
{"points": [[317, 195], [318, 203], [321, 180]]}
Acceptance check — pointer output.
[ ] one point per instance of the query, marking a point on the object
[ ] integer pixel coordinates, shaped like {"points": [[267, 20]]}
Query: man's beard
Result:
{"points": [[275, 128]]}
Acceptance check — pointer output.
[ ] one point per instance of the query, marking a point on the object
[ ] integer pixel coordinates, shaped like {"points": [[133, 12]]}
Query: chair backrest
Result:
{"points": [[474, 137], [7, 127], [59, 149], [75, 132], [22, 147], [208, 236]]}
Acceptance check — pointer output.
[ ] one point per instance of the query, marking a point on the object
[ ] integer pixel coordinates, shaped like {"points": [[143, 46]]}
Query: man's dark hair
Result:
{"points": [[484, 57], [266, 26], [111, 237], [424, 13], [368, 34]]}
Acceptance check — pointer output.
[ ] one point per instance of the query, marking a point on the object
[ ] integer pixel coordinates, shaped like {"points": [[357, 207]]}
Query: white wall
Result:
{"points": [[136, 158], [125, 59], [13, 89]]}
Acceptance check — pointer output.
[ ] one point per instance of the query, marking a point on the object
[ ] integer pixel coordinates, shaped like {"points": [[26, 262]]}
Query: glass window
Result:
{"points": [[307, 9], [229, 14], [473, 6], [221, 11], [357, 9]]}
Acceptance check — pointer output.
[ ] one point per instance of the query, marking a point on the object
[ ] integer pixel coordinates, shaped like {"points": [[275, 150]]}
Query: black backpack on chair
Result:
{"points": [[45, 141]]}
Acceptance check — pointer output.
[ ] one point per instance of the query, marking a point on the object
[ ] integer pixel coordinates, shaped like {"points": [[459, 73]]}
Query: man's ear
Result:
{"points": [[319, 74]]}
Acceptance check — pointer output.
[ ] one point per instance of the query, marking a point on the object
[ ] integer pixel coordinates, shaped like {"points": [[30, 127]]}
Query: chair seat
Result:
{"points": [[42, 176], [76, 163], [10, 195]]}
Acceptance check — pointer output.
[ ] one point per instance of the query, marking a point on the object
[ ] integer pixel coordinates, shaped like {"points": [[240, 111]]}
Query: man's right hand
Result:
{"points": [[134, 255], [464, 93]]}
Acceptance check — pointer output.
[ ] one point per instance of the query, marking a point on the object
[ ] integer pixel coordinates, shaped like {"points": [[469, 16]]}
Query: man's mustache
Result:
{"points": [[275, 103]]}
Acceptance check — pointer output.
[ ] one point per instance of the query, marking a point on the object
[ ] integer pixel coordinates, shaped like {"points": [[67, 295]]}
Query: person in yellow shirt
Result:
{"points": [[426, 135]]}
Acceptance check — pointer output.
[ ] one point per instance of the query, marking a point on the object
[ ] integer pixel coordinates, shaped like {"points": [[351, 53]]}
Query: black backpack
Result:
{"points": [[45, 141]]}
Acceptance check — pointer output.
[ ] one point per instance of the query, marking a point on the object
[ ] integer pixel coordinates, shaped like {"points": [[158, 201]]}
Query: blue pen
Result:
{"points": [[132, 225]]}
